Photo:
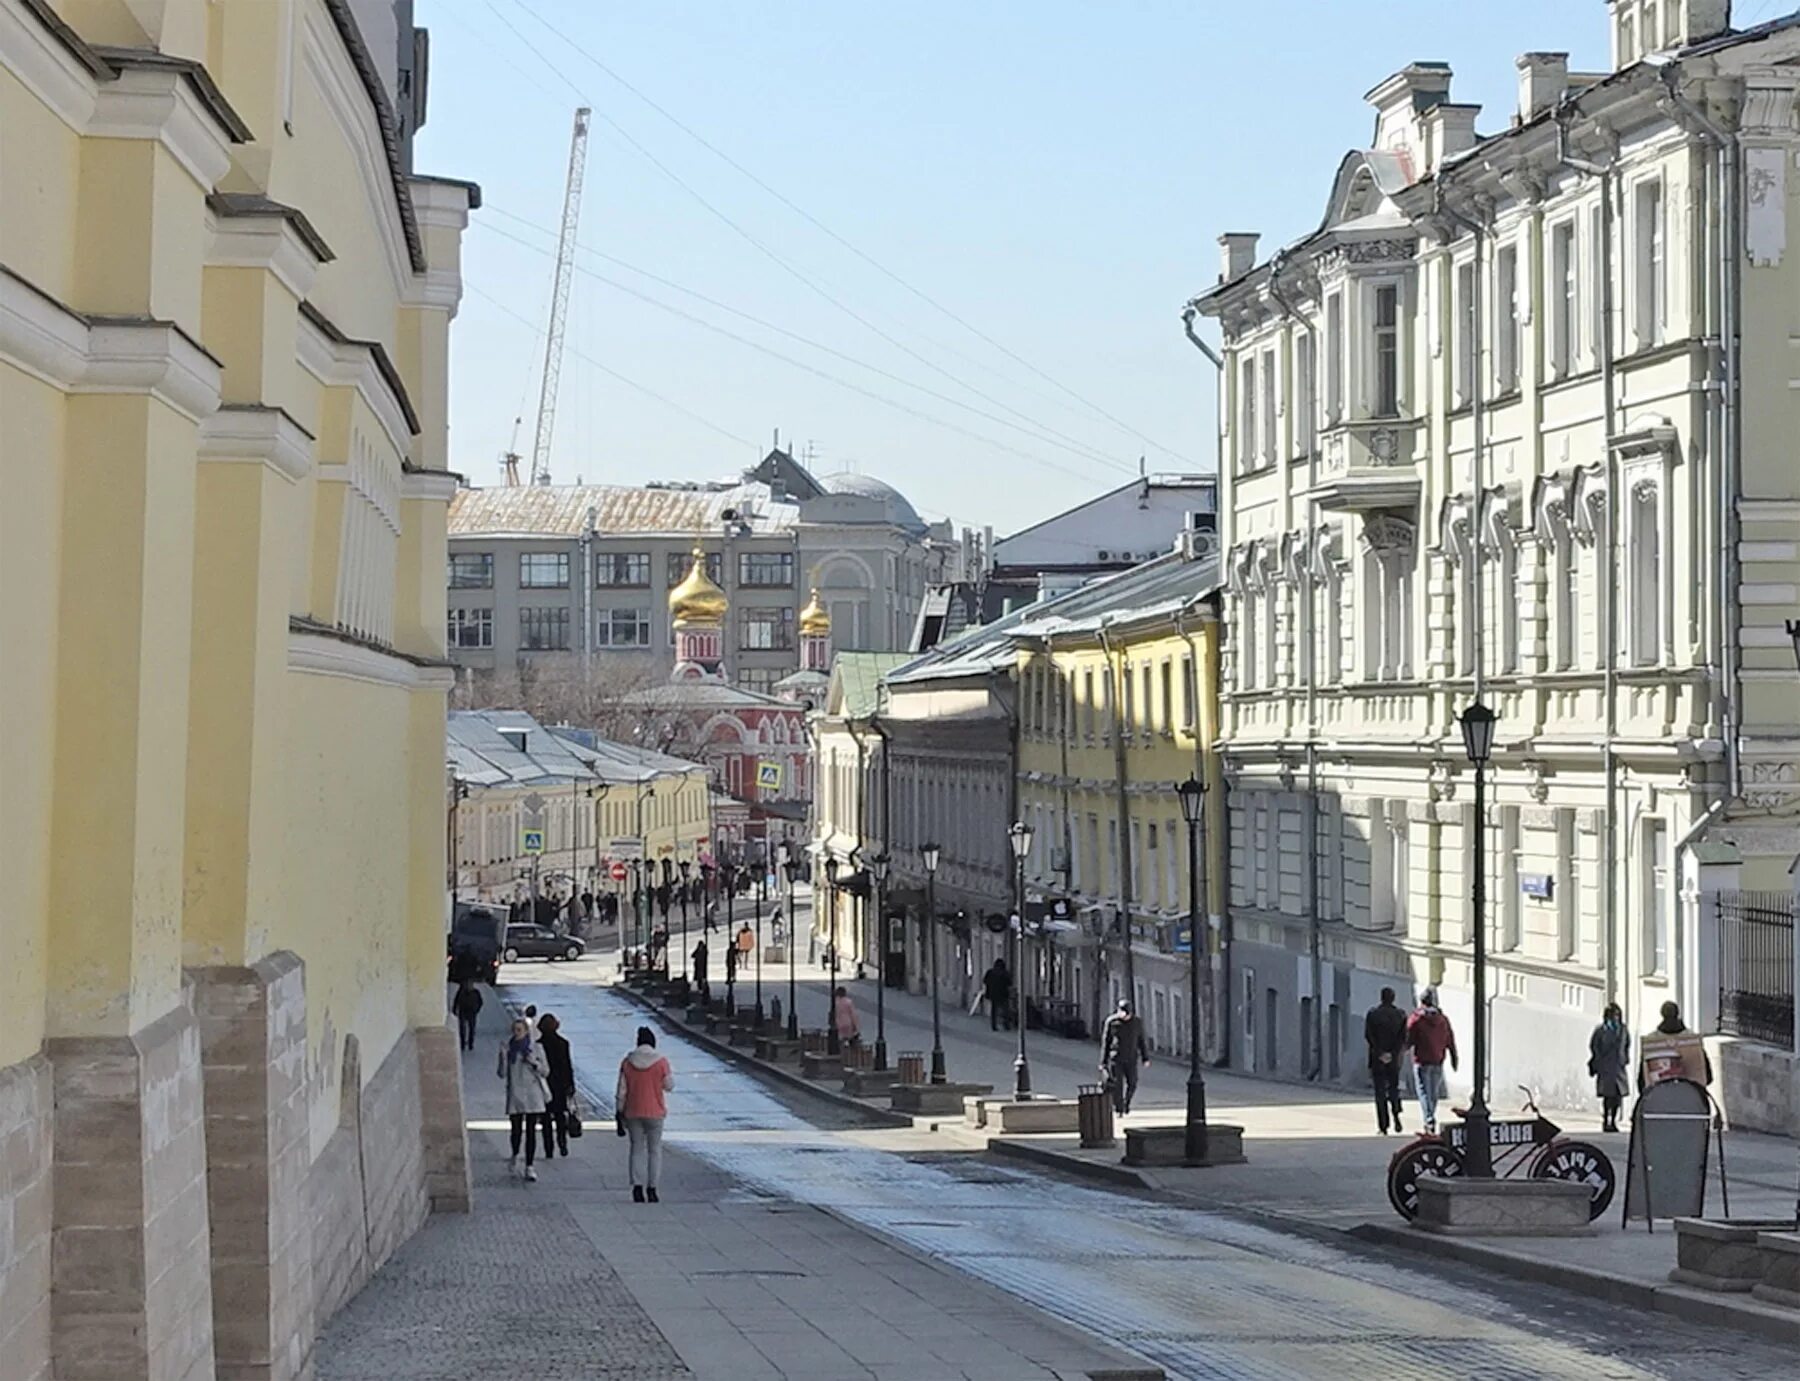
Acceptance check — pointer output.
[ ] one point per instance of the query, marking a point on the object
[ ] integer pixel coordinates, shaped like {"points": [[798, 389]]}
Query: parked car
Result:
{"points": [[540, 942]]}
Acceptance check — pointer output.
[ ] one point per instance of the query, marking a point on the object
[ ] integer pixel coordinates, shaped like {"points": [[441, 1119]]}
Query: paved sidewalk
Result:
{"points": [[566, 1279]]}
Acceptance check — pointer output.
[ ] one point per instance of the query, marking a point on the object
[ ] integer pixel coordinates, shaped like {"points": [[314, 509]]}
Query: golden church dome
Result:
{"points": [[697, 601], [814, 621]]}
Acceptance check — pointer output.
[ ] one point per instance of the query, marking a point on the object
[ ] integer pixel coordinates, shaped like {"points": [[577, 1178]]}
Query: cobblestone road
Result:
{"points": [[1201, 1293]]}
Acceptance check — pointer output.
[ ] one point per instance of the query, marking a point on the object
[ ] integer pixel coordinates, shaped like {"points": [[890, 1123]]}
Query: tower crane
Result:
{"points": [[559, 299]]}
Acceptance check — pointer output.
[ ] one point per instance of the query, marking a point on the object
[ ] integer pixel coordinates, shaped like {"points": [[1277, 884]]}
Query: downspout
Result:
{"points": [[1012, 814], [1314, 938], [1727, 198], [1120, 774], [862, 826], [887, 818], [1609, 597], [1063, 700]]}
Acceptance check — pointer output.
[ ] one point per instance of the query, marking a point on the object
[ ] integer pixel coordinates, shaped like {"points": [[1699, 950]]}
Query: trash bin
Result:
{"points": [[1094, 1115], [911, 1069], [812, 1041]]}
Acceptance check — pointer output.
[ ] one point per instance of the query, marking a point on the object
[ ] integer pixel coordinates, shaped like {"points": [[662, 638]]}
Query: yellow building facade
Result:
{"points": [[226, 1092], [1117, 707]]}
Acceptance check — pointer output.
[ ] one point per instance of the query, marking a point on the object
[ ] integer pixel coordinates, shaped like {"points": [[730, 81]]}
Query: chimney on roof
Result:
{"points": [[1543, 80], [1449, 131], [1237, 254]]}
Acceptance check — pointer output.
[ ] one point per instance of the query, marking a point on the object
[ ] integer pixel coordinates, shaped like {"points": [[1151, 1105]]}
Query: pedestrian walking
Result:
{"points": [[645, 1079], [1429, 1035], [1672, 1051], [527, 1092], [467, 1007], [1609, 1057], [561, 1082], [1384, 1031], [1124, 1049], [996, 987], [843, 1016], [746, 944]]}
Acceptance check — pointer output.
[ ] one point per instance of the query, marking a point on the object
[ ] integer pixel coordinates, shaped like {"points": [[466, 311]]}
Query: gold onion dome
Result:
{"points": [[697, 600], [814, 621]]}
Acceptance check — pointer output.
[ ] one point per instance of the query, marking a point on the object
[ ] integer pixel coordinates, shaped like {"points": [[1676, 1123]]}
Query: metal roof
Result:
{"points": [[1163, 586], [857, 676], [479, 753], [561, 510]]}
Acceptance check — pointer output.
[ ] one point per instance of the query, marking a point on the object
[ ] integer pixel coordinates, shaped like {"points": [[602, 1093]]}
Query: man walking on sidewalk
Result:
{"points": [[1428, 1033], [467, 1007], [1123, 1048], [1384, 1029]]}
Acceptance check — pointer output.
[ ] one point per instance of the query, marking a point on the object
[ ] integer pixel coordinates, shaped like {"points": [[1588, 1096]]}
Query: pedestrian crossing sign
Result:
{"points": [[531, 841], [768, 776]]}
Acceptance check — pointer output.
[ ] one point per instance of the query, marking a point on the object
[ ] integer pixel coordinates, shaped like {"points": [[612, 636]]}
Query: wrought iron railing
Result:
{"points": [[1756, 966]]}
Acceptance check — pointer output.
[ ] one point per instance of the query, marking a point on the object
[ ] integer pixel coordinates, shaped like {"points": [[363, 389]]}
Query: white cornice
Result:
{"points": [[352, 365], [151, 357], [46, 340], [262, 242], [433, 486], [159, 104], [345, 97], [257, 436], [438, 288], [439, 204], [317, 654], [47, 69]]}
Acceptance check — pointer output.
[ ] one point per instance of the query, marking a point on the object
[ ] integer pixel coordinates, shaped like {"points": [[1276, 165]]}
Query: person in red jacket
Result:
{"points": [[644, 1077], [1431, 1040]]}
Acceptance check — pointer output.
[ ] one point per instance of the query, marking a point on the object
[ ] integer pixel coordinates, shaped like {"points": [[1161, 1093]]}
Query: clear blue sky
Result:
{"points": [[1054, 173]]}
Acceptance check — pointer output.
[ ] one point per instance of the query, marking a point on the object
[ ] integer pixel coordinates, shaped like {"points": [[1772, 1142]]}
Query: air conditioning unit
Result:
{"points": [[1105, 555]]}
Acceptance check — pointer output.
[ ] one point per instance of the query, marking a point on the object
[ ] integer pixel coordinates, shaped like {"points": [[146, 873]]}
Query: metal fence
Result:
{"points": [[1756, 966]]}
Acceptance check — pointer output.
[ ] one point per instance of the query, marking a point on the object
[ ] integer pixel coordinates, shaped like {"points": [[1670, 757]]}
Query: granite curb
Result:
{"points": [[878, 1117]]}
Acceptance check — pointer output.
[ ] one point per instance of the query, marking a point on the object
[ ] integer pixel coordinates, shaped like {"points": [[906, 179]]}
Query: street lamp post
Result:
{"points": [[728, 881], [685, 866], [760, 857], [1193, 798], [1019, 839], [831, 952], [878, 869], [929, 852], [785, 855], [1478, 740]]}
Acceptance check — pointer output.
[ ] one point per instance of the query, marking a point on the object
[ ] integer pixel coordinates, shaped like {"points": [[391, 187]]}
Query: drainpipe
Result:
{"points": [[1314, 938], [1120, 774], [1611, 943], [1063, 700], [887, 819], [1727, 175]]}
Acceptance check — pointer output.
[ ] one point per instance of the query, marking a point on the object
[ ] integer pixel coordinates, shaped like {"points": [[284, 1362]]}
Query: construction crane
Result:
{"points": [[559, 299]]}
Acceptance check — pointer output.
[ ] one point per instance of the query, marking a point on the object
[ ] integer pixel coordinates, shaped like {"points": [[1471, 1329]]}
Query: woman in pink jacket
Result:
{"points": [[644, 1077]]}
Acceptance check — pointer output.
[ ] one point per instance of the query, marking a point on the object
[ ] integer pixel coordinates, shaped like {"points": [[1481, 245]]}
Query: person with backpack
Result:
{"points": [[645, 1080], [1429, 1036], [523, 1067], [466, 1006]]}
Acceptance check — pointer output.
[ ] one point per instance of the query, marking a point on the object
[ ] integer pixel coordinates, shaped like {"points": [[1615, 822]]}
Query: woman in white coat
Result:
{"points": [[526, 1072]]}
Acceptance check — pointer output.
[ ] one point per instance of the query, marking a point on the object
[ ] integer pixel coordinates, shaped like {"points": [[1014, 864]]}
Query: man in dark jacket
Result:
{"points": [[467, 1006], [1124, 1047], [1384, 1030], [561, 1082], [996, 986]]}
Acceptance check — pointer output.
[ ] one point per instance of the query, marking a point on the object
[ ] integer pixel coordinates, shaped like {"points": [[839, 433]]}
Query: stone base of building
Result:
{"points": [[132, 1289], [25, 1206], [253, 1054], [443, 1129], [1461, 1206], [1758, 1085]]}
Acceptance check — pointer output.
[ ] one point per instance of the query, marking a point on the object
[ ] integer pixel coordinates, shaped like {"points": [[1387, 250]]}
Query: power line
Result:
{"points": [[825, 293], [582, 355], [814, 370], [1036, 431], [826, 230]]}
